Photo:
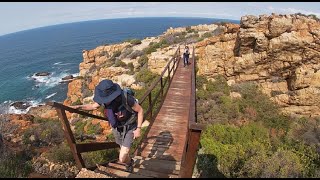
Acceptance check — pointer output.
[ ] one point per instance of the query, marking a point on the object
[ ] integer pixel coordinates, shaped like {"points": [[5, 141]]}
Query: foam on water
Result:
{"points": [[6, 108], [49, 96]]}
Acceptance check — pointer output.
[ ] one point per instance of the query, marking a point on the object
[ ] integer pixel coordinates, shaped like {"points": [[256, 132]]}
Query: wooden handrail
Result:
{"points": [[87, 147], [159, 79], [72, 110], [194, 130]]}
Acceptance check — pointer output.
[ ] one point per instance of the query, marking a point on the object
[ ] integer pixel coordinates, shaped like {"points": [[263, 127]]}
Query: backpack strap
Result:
{"points": [[124, 97]]}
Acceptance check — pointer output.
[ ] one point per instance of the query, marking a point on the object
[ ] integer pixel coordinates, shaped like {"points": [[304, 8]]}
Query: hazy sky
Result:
{"points": [[17, 16]]}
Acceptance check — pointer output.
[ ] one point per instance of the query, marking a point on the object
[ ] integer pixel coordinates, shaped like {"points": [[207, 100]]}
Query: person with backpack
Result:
{"points": [[124, 114], [186, 54]]}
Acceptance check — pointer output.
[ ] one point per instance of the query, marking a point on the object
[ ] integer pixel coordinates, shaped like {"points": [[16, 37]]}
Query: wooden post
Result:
{"points": [[169, 72], [161, 83], [70, 139], [150, 102], [190, 153]]}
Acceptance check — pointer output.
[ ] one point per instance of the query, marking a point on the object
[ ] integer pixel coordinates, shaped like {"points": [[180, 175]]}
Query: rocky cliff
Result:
{"points": [[279, 52]]}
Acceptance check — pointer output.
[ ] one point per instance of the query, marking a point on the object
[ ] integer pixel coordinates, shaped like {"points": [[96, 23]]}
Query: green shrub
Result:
{"points": [[110, 138], [79, 127], [264, 146], [135, 41], [120, 63], [219, 85], [275, 93], [125, 53], [142, 60], [114, 56], [154, 46], [206, 35], [48, 132], [248, 151], [98, 157], [131, 67], [150, 49], [94, 128], [116, 53], [78, 102], [146, 76], [60, 154], [15, 165], [267, 111], [135, 54], [191, 31], [200, 39]]}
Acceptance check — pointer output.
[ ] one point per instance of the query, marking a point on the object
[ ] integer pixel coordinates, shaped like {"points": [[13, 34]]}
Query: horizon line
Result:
{"points": [[1, 35]]}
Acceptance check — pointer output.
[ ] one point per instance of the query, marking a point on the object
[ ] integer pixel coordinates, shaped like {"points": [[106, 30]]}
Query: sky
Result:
{"points": [[18, 16]]}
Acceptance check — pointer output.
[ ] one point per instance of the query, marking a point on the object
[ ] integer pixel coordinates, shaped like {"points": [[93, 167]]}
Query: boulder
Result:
{"points": [[42, 74], [20, 105], [69, 77]]}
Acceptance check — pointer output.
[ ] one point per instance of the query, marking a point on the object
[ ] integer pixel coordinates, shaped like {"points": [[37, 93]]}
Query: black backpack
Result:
{"points": [[124, 106], [124, 96]]}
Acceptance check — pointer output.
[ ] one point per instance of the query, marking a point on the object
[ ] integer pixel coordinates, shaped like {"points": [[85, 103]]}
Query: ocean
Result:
{"points": [[58, 50]]}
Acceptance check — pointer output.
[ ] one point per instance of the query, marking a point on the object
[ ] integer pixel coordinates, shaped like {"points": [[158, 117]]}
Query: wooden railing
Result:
{"points": [[77, 148], [194, 130]]}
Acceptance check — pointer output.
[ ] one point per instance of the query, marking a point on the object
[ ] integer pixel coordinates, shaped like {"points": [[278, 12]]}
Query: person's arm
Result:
{"points": [[136, 107], [87, 106]]}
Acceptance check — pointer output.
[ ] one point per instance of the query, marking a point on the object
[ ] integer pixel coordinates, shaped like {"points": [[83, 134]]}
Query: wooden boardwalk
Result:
{"points": [[161, 152], [169, 146]]}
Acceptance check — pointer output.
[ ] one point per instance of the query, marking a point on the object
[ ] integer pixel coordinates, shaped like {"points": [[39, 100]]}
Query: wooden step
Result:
{"points": [[143, 172], [162, 166], [138, 159], [114, 172]]}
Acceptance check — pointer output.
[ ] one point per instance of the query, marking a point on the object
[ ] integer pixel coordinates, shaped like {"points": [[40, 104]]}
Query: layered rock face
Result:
{"points": [[279, 52]]}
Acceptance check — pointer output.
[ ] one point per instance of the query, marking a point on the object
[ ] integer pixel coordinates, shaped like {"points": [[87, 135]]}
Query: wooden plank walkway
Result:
{"points": [[161, 152], [167, 135]]}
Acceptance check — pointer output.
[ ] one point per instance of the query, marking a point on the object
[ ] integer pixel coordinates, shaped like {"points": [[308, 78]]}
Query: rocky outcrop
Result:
{"points": [[279, 52], [67, 78], [43, 111], [42, 74], [85, 173], [159, 59], [44, 166], [98, 56], [200, 27], [12, 126], [21, 105]]}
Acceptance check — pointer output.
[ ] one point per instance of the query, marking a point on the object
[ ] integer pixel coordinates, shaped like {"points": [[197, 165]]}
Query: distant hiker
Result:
{"points": [[124, 114], [186, 54]]}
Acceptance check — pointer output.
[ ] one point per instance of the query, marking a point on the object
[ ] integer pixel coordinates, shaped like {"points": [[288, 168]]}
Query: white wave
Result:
{"points": [[49, 96], [5, 107], [57, 63], [50, 80], [75, 74], [62, 64]]}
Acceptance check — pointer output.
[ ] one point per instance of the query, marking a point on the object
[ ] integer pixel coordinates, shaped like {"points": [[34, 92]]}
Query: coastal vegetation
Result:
{"points": [[249, 137]]}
